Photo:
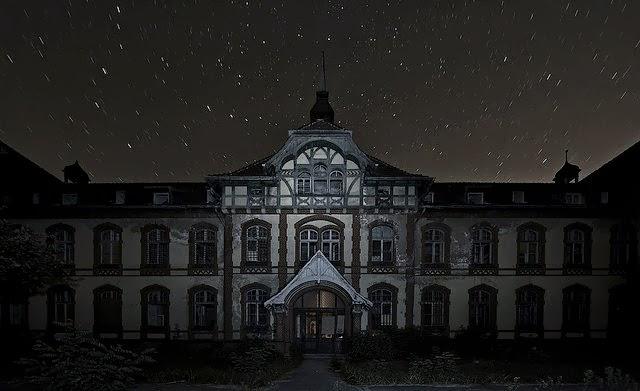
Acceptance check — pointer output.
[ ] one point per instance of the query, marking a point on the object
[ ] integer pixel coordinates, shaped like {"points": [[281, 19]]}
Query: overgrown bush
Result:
{"points": [[253, 364], [613, 379], [441, 367], [80, 362]]}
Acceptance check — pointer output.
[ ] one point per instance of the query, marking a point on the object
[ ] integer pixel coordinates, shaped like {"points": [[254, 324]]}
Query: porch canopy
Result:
{"points": [[317, 272]]}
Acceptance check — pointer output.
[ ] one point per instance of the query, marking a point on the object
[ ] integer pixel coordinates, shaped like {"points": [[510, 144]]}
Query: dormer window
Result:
{"points": [[429, 198], [573, 199], [161, 198], [604, 197], [476, 198], [320, 179], [120, 197], [70, 199], [35, 198], [518, 197]]}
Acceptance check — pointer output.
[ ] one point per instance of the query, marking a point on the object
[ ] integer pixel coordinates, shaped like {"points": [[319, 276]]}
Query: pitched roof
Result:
{"points": [[383, 169], [618, 168], [320, 124]]}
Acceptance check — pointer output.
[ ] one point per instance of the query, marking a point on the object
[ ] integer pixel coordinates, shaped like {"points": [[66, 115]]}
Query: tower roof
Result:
{"points": [[322, 110], [568, 172]]}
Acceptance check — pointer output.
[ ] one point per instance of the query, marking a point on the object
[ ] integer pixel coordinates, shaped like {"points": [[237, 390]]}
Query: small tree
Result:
{"points": [[27, 264]]}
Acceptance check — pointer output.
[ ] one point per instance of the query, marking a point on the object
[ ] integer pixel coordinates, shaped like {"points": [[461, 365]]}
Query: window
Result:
{"points": [[484, 246], [435, 308], [62, 240], [434, 246], [429, 198], [257, 244], [155, 245], [331, 245], [160, 198], [107, 309], [336, 182], [13, 312], [529, 309], [604, 197], [303, 184], [308, 244], [61, 307], [383, 196], [35, 198], [203, 302], [624, 247], [382, 313], [155, 310], [531, 241], [575, 304], [108, 244], [577, 247], [382, 244], [573, 199], [202, 245], [256, 196], [518, 197], [256, 314], [475, 198], [120, 197], [70, 199], [320, 179], [482, 308]]}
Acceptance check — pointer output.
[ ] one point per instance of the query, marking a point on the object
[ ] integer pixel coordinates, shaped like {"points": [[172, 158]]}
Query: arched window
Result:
{"points": [[203, 303], [435, 309], [203, 245], [155, 246], [331, 244], [303, 184], [308, 244], [107, 309], [336, 182], [529, 309], [382, 313], [382, 244], [256, 315], [576, 312], [256, 247], [155, 310], [531, 241], [62, 239], [624, 247], [62, 300], [108, 245], [320, 179], [577, 248], [484, 247], [482, 308]]}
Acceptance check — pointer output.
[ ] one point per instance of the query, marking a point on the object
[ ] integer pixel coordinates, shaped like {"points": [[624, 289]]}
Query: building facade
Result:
{"points": [[320, 241]]}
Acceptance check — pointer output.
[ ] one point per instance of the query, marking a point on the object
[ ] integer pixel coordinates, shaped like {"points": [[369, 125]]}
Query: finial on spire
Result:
{"points": [[324, 74]]}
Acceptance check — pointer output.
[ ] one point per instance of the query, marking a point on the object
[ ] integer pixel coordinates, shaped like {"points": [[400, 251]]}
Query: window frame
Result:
{"points": [[209, 245], [522, 243], [392, 302], [434, 329], [445, 265], [68, 243], [115, 250], [194, 328], [261, 265], [538, 325], [332, 224], [580, 325], [630, 244], [98, 325], [490, 267], [255, 329], [569, 266], [393, 242], [69, 307], [492, 306], [165, 303]]}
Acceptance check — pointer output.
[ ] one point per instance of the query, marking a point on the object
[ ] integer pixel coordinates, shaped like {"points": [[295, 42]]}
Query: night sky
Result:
{"points": [[459, 90]]}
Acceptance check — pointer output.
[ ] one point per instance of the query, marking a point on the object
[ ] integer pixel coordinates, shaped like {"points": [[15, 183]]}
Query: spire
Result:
{"points": [[322, 110], [568, 172]]}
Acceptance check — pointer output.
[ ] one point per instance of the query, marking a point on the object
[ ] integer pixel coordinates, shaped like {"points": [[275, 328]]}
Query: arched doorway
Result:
{"points": [[319, 321]]}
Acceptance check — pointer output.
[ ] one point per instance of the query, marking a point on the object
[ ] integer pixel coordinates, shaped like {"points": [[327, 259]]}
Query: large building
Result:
{"points": [[321, 240]]}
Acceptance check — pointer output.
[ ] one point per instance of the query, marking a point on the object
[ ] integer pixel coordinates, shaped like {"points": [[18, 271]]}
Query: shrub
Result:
{"points": [[253, 364], [371, 347], [441, 367], [614, 379], [80, 362]]}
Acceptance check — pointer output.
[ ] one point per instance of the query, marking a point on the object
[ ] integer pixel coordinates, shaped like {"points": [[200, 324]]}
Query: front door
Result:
{"points": [[320, 331]]}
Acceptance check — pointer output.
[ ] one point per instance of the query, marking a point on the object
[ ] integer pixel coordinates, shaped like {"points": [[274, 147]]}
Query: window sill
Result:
{"points": [[155, 270], [483, 270], [255, 268], [529, 270], [202, 269], [581, 270], [382, 267], [107, 270], [435, 269]]}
